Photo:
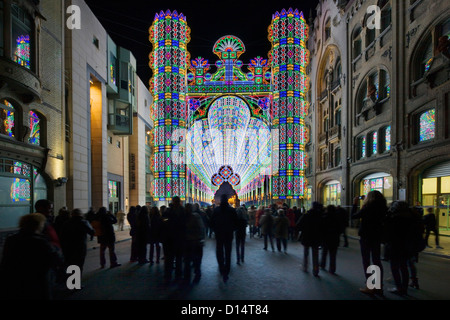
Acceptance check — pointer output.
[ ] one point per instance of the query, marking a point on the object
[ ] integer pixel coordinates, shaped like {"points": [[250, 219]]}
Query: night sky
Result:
{"points": [[127, 22]]}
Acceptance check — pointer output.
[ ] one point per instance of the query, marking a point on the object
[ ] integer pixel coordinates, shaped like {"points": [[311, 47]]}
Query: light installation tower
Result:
{"points": [[288, 34], [169, 35]]}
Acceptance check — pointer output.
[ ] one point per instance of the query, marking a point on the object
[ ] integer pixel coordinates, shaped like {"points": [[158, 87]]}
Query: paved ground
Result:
{"points": [[265, 276]]}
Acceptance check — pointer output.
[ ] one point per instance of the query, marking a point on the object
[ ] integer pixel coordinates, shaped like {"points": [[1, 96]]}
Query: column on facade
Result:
{"points": [[288, 34], [169, 35]]}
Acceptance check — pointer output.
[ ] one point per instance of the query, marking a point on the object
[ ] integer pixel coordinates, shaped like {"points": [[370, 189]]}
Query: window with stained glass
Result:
{"points": [[35, 129], [22, 36], [374, 142], [427, 125], [7, 120], [387, 138], [362, 147], [381, 182]]}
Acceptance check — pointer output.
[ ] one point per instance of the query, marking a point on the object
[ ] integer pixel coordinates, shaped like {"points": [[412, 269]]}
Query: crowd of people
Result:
{"points": [[175, 235]]}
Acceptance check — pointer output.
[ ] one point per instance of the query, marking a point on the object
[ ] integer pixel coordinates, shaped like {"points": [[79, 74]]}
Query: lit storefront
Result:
{"points": [[332, 193], [382, 182], [20, 187], [436, 192]]}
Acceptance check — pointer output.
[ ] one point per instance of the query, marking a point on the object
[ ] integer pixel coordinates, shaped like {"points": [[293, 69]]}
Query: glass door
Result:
{"points": [[443, 207]]}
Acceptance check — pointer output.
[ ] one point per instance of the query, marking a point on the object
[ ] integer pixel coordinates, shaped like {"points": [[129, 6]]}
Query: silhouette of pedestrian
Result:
{"points": [[372, 216], [174, 237], [281, 230], [431, 226], [252, 221], [107, 238], [131, 218], [311, 236], [195, 239], [74, 239], [120, 220], [142, 234], [266, 223], [62, 217], [331, 229], [241, 231], [45, 207], [402, 237], [343, 214], [224, 223], [155, 234], [27, 262]]}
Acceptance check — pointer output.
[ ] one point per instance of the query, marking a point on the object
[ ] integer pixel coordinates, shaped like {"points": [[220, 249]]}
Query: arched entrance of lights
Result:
{"points": [[288, 107]]}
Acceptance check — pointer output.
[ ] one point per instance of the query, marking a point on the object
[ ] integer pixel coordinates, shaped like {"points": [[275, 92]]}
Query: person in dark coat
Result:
{"points": [[332, 226], [431, 225], [74, 239], [224, 223], [343, 214], [266, 224], [402, 238], [174, 237], [27, 262], [155, 234], [142, 234], [62, 217], [282, 229], [195, 240], [131, 218], [107, 239], [45, 207], [241, 231], [372, 216], [311, 235]]}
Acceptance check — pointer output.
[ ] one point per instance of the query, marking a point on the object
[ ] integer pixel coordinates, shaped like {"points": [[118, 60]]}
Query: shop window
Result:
{"points": [[22, 36], [332, 193], [15, 192], [380, 182], [7, 119], [427, 125]]}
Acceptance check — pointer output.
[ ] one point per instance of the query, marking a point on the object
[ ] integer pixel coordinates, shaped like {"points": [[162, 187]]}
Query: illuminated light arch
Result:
{"points": [[246, 107]]}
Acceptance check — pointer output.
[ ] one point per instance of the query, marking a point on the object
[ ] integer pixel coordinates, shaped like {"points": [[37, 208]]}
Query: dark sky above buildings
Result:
{"points": [[127, 22]]}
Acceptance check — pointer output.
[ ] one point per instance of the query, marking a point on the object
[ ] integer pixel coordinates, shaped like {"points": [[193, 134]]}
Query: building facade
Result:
{"points": [[32, 149], [380, 79], [75, 117]]}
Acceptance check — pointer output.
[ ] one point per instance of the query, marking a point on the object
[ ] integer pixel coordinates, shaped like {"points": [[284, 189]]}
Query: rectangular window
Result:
{"points": [[362, 147], [374, 143], [21, 37], [387, 137], [427, 125]]}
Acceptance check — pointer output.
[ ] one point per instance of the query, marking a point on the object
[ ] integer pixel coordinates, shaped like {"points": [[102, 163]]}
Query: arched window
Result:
{"points": [[7, 119], [22, 37], [357, 43], [35, 128], [328, 29], [427, 125], [376, 86]]}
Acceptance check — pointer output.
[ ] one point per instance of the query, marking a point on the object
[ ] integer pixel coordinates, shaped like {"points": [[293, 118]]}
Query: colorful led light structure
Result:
{"points": [[246, 127]]}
